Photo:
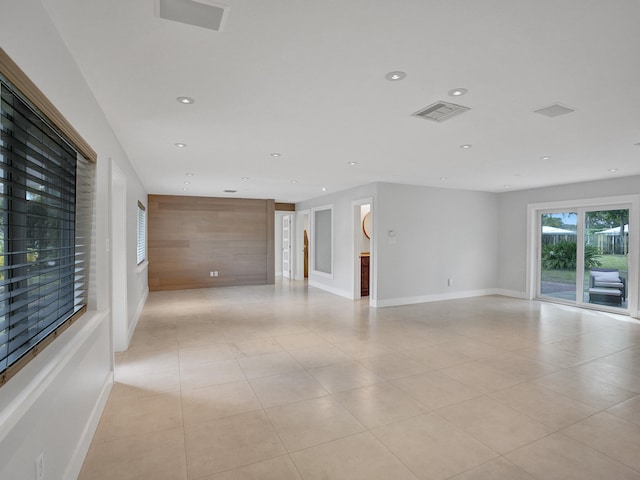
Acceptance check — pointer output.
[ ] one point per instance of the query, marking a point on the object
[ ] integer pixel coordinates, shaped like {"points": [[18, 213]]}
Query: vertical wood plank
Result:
{"points": [[271, 248]]}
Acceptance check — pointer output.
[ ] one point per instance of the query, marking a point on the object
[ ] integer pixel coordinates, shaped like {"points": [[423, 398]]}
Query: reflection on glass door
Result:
{"points": [[606, 249], [558, 255]]}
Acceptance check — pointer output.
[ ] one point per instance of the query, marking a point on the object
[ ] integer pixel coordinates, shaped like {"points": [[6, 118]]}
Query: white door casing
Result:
{"points": [[286, 246]]}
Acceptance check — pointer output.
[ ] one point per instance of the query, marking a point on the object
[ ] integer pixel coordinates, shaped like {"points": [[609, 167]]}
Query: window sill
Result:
{"points": [[143, 266]]}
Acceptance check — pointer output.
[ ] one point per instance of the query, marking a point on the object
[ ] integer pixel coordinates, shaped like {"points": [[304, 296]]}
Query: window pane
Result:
{"points": [[141, 245]]}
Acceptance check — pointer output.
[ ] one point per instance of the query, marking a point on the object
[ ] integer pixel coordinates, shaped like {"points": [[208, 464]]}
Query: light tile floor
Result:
{"points": [[289, 382]]}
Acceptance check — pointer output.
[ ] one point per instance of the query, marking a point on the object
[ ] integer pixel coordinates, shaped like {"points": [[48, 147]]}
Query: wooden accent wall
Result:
{"points": [[285, 207], [192, 236]]}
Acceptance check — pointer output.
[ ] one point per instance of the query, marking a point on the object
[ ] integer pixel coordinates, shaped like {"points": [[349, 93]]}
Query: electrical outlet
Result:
{"points": [[40, 467]]}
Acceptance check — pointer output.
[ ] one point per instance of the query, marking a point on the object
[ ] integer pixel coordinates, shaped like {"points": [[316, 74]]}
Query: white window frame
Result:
{"points": [[312, 251]]}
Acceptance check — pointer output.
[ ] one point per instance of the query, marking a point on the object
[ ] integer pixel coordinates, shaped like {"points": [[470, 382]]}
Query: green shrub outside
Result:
{"points": [[563, 256]]}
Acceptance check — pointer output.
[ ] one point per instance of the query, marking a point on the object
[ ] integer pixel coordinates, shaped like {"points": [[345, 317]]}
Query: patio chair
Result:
{"points": [[607, 285]]}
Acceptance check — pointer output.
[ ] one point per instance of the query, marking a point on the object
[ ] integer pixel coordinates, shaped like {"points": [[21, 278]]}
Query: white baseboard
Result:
{"points": [[392, 302], [327, 288], [75, 464], [511, 293], [136, 317]]}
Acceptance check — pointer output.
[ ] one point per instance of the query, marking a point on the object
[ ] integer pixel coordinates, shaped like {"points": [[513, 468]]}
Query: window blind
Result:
{"points": [[44, 245], [142, 234]]}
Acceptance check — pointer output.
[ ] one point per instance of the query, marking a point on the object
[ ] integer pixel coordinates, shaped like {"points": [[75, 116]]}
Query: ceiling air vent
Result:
{"points": [[440, 111], [554, 110], [200, 13]]}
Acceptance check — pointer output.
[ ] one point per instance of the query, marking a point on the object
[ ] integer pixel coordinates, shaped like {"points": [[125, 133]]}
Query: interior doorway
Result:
{"points": [[302, 235], [363, 278], [305, 253], [286, 245]]}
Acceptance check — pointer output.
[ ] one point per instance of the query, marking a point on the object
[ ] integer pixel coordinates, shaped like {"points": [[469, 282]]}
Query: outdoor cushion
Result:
{"points": [[606, 276], [598, 283], [605, 291]]}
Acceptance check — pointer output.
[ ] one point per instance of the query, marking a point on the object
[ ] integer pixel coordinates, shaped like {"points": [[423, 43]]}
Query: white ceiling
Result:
{"points": [[306, 79]]}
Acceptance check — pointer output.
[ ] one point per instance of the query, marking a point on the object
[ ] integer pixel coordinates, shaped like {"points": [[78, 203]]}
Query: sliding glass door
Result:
{"points": [[559, 253], [583, 256], [606, 250]]}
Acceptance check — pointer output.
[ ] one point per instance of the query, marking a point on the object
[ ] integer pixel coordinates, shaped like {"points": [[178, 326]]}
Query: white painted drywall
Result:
{"points": [[425, 235], [439, 234], [56, 414], [343, 239]]}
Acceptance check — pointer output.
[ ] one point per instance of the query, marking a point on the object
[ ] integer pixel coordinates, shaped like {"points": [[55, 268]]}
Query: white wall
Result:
{"points": [[439, 234], [512, 258], [52, 406], [343, 239]]}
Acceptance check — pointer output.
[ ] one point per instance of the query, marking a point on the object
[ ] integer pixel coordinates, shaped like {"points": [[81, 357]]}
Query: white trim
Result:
{"points": [[356, 250], [327, 288], [118, 258], [82, 448], [143, 266], [299, 265], [511, 293], [136, 317], [20, 405], [392, 302], [312, 242]]}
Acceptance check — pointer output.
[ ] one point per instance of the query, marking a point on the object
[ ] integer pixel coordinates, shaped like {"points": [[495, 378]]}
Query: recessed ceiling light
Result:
{"points": [[457, 92], [244, 178], [613, 169], [395, 76], [444, 178], [190, 174], [545, 157], [275, 154], [465, 146], [324, 189], [187, 183], [507, 186], [352, 163], [185, 100], [180, 145], [185, 189], [294, 181]]}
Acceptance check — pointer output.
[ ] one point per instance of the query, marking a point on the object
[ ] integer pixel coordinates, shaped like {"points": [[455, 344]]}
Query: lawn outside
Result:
{"points": [[561, 283]]}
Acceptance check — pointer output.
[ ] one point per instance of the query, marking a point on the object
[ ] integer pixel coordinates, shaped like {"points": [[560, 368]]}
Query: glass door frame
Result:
{"points": [[534, 212]]}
